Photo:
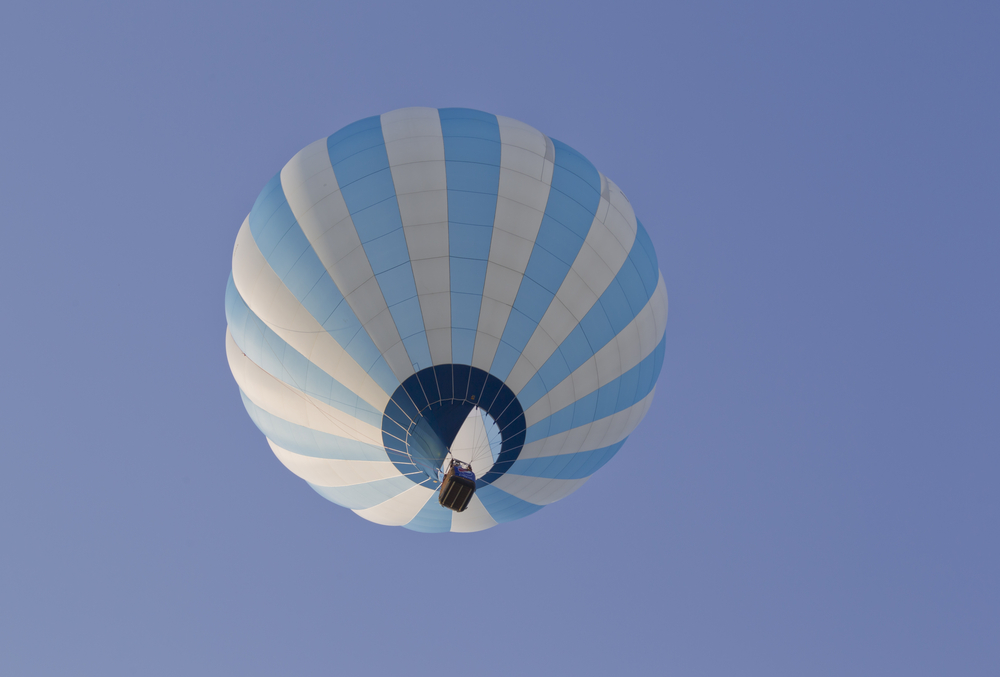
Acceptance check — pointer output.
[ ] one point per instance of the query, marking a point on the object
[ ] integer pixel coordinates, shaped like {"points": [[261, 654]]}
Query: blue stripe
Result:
{"points": [[309, 442], [433, 518], [609, 399], [566, 466], [569, 213], [288, 252], [271, 353], [361, 165], [625, 297], [504, 507], [367, 495], [472, 168]]}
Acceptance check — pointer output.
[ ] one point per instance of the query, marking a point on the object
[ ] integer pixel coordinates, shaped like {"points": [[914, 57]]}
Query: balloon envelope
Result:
{"points": [[434, 284]]}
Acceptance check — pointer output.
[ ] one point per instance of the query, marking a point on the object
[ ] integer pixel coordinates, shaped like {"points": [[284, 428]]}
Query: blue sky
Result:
{"points": [[813, 491]]}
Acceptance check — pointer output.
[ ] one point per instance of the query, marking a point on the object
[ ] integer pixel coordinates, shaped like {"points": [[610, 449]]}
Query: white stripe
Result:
{"points": [[415, 146], [473, 518], [277, 307], [400, 509], [293, 405], [526, 163], [600, 258], [325, 472], [620, 221], [537, 490], [595, 435], [637, 340], [316, 202]]}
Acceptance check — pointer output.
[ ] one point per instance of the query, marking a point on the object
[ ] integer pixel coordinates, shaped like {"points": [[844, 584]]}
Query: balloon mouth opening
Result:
{"points": [[453, 412], [476, 444]]}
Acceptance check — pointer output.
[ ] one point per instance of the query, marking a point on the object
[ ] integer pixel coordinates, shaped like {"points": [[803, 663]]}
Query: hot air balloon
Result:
{"points": [[433, 301]]}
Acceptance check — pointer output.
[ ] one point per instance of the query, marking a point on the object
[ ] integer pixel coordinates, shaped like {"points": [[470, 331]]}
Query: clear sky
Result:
{"points": [[814, 491]]}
